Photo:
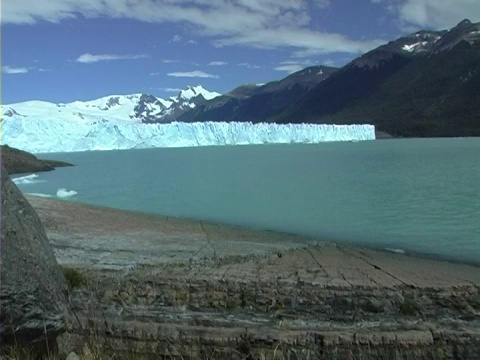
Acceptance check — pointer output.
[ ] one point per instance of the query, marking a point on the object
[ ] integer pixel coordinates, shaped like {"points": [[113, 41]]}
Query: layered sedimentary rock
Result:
{"points": [[175, 288]]}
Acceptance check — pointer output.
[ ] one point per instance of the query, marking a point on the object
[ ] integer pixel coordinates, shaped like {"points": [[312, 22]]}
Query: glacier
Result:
{"points": [[143, 121], [44, 135]]}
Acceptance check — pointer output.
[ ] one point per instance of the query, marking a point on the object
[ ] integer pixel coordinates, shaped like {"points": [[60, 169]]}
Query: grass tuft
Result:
{"points": [[409, 306], [75, 278]]}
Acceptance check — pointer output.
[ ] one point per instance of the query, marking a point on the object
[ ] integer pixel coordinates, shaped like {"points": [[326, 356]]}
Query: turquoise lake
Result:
{"points": [[417, 195]]}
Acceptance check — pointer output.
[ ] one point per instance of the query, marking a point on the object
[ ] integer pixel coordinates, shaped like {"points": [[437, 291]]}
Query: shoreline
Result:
{"points": [[304, 239], [76, 225], [159, 286]]}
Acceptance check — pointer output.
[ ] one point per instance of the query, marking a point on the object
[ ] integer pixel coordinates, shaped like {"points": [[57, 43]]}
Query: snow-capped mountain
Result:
{"points": [[426, 84], [465, 31], [149, 108], [420, 43], [409, 46], [186, 100], [143, 108], [256, 103]]}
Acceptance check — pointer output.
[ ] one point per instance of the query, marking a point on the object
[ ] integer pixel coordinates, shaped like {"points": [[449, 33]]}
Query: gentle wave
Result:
{"points": [[28, 179], [40, 195], [396, 251]]}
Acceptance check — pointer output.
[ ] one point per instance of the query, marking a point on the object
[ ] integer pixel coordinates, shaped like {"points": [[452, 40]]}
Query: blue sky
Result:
{"points": [[66, 50]]}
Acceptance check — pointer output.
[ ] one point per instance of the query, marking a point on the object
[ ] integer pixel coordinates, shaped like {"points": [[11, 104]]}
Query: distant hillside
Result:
{"points": [[423, 84], [429, 90], [258, 103]]}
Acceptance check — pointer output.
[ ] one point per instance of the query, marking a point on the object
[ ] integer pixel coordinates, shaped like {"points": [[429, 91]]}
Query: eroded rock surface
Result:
{"points": [[171, 288], [33, 289]]}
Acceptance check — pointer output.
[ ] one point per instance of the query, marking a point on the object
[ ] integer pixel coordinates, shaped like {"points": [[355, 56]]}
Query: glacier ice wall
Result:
{"points": [[42, 136]]}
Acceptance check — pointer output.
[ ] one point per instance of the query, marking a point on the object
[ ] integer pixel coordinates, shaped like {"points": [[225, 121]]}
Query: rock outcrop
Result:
{"points": [[17, 161], [163, 287], [33, 302]]}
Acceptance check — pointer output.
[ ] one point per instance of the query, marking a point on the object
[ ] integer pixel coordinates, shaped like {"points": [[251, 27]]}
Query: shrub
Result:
{"points": [[75, 278], [409, 306]]}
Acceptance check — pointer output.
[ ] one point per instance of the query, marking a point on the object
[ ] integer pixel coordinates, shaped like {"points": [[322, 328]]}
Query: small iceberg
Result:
{"points": [[63, 193]]}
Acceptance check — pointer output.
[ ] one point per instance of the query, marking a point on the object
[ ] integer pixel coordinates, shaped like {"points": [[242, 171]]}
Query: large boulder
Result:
{"points": [[33, 291]]}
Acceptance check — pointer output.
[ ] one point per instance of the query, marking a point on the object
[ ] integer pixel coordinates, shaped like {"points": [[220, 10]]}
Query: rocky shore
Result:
{"points": [[18, 161], [165, 287]]}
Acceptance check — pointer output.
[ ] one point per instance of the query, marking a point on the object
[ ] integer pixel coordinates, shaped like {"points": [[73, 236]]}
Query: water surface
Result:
{"points": [[420, 195]]}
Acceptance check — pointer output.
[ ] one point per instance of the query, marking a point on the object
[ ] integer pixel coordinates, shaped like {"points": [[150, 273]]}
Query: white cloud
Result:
{"points": [[196, 73], [169, 61], [248, 65], [290, 68], [310, 42], [257, 23], [329, 62], [323, 4], [14, 70], [90, 59], [176, 38], [436, 14], [217, 63], [173, 90]]}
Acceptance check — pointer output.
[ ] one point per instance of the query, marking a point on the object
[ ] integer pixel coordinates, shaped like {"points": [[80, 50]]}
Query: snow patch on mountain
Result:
{"points": [[193, 91], [415, 46]]}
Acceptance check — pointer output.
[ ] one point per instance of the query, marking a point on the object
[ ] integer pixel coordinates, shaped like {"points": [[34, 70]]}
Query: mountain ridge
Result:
{"points": [[427, 93], [260, 102], [423, 84], [139, 107]]}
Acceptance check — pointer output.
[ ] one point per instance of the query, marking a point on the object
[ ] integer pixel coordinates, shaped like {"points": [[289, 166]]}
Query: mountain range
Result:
{"points": [[142, 108], [423, 84]]}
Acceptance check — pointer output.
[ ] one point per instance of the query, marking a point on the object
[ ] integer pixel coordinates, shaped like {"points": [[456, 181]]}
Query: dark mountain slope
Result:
{"points": [[436, 96], [423, 84], [359, 79], [256, 104], [428, 88], [342, 90]]}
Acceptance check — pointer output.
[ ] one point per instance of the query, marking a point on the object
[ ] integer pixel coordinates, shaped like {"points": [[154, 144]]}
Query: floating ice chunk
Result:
{"points": [[65, 193]]}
